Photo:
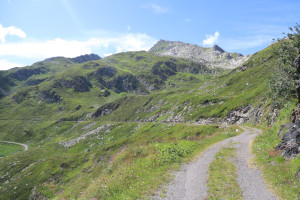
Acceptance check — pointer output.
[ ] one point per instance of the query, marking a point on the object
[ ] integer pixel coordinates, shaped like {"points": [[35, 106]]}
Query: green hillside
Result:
{"points": [[115, 128]]}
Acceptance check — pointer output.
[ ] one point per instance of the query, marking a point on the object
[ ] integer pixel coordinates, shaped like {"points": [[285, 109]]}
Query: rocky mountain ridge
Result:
{"points": [[214, 56], [78, 59]]}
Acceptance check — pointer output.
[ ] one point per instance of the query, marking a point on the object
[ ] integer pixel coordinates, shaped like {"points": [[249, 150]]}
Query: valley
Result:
{"points": [[118, 127]]}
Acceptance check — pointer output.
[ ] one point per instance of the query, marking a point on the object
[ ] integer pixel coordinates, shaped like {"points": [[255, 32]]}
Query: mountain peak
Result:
{"points": [[212, 57], [217, 48]]}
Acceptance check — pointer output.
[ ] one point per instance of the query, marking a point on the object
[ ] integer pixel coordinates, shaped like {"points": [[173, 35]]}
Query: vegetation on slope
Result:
{"points": [[112, 128], [282, 174], [7, 149], [121, 161]]}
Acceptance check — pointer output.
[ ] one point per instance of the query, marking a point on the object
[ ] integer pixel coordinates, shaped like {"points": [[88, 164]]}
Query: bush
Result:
{"points": [[284, 81]]}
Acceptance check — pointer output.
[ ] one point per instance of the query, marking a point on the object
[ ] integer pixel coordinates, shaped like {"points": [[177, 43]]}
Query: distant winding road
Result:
{"points": [[24, 145], [190, 182]]}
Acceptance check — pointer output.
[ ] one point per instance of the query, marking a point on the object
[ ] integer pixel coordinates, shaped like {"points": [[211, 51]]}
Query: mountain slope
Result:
{"points": [[214, 57], [113, 128]]}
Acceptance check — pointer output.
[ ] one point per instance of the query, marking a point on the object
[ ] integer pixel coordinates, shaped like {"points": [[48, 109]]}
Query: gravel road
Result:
{"points": [[190, 182], [24, 145], [249, 176]]}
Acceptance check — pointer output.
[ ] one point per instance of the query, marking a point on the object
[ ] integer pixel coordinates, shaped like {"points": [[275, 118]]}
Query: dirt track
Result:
{"points": [[190, 182]]}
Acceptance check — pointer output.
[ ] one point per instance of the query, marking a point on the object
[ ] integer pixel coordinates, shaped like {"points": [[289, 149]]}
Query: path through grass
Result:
{"points": [[222, 181]]}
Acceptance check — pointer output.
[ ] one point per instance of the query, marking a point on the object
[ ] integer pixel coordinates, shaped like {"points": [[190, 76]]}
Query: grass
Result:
{"points": [[222, 181], [281, 174], [128, 162], [9, 149], [139, 171], [129, 159]]}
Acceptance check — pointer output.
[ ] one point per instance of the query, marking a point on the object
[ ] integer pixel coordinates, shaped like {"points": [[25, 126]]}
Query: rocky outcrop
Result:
{"points": [[24, 74], [72, 142], [108, 78], [212, 57], [20, 96], [245, 114], [106, 109], [50, 96], [33, 82], [290, 142], [151, 84], [86, 58], [78, 84], [126, 83]]}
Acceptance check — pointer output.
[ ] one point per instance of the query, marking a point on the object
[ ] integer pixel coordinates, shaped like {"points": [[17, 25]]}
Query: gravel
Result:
{"points": [[249, 176], [190, 182]]}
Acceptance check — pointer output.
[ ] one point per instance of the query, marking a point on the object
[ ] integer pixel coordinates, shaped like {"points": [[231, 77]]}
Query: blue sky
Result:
{"points": [[32, 30]]}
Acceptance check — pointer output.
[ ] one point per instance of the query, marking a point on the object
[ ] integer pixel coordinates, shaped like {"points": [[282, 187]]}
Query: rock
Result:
{"points": [[78, 107], [295, 113], [78, 84], [106, 109], [20, 96], [63, 166], [24, 73], [283, 128], [217, 48], [126, 83], [72, 142], [290, 141], [86, 58], [213, 57], [50, 96]]}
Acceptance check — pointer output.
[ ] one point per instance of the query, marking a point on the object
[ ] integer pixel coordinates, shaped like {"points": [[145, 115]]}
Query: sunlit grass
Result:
{"points": [[9, 149], [222, 181]]}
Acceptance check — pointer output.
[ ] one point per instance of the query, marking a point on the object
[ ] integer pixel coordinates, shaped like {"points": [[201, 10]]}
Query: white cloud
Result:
{"points": [[5, 64], [11, 30], [211, 39], [71, 48], [187, 20], [156, 8]]}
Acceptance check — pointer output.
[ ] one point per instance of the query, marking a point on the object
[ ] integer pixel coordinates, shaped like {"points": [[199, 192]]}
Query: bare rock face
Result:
{"points": [[290, 142], [25, 73], [211, 57]]}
